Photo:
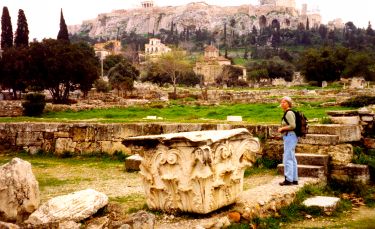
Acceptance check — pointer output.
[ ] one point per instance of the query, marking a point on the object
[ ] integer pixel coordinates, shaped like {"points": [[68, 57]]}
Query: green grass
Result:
{"points": [[251, 113], [46, 181]]}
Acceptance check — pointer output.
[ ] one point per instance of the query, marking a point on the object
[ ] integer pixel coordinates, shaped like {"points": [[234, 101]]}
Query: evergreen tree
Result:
{"points": [[225, 40], [369, 30], [22, 33], [6, 29], [307, 24], [63, 32]]}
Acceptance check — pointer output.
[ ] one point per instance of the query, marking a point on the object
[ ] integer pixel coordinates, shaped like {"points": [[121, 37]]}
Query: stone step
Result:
{"points": [[312, 159], [319, 139], [346, 133], [306, 170]]}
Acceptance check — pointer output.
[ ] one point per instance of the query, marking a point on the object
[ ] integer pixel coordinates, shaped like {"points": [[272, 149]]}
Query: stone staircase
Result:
{"points": [[310, 165]]}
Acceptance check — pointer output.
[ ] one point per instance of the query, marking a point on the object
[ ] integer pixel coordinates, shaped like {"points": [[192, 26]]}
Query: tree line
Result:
{"points": [[56, 65]]}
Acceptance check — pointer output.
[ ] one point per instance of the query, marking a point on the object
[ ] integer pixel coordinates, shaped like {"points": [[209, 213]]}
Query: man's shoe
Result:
{"points": [[285, 182], [295, 182]]}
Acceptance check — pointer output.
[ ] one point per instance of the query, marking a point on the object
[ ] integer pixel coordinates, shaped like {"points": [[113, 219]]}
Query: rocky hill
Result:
{"points": [[191, 16]]}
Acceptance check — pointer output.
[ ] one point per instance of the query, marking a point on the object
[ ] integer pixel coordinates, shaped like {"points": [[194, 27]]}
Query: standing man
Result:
{"points": [[288, 124]]}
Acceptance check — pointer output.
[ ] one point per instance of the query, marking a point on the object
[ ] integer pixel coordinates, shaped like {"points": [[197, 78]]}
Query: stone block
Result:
{"points": [[64, 145], [319, 139], [61, 134], [325, 202], [367, 118], [198, 171], [75, 206], [346, 133], [350, 120], [342, 113], [234, 118], [133, 162], [112, 146], [353, 172], [306, 170], [29, 138]]}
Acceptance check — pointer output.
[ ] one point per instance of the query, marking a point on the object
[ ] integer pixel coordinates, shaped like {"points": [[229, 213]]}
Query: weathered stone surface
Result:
{"points": [[257, 202], [69, 225], [98, 223], [4, 225], [133, 162], [198, 171], [34, 138], [72, 207], [141, 219], [346, 133], [319, 139], [354, 172], [306, 170], [19, 190], [64, 144], [325, 202], [343, 113], [347, 120]]}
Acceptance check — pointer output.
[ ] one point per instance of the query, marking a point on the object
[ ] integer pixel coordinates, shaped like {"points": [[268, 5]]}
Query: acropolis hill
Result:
{"points": [[149, 18]]}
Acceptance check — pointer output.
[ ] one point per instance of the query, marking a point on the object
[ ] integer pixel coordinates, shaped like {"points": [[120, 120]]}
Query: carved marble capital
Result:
{"points": [[197, 171]]}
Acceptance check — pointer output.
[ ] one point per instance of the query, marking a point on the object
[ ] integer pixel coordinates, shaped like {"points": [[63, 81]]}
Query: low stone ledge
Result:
{"points": [[342, 113], [346, 133], [319, 139], [266, 199], [354, 172], [346, 120]]}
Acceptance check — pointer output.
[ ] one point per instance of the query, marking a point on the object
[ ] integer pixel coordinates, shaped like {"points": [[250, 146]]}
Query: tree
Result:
{"points": [[307, 24], [62, 67], [326, 64], [63, 32], [360, 64], [122, 76], [13, 69], [174, 64], [323, 30], [22, 33], [154, 74], [6, 29], [110, 61]]}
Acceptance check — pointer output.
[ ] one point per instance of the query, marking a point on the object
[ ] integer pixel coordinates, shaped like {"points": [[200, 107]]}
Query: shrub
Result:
{"points": [[102, 86], [359, 101], [34, 104]]}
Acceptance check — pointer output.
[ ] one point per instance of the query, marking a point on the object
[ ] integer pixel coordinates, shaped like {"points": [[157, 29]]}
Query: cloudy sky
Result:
{"points": [[43, 16]]}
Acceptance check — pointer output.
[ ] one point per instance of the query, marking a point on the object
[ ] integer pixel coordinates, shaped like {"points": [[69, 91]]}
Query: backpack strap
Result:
{"points": [[283, 118]]}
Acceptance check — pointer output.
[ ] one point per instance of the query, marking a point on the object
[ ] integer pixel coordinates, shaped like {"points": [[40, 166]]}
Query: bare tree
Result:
{"points": [[174, 64]]}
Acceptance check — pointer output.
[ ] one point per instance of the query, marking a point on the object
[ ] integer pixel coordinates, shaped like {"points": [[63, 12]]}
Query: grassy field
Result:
{"points": [[175, 112]]}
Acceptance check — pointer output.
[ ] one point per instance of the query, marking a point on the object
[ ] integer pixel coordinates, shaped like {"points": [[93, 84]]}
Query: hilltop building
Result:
{"points": [[211, 65]]}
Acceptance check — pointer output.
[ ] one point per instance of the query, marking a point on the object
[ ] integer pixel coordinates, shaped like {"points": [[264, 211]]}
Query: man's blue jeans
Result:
{"points": [[289, 157]]}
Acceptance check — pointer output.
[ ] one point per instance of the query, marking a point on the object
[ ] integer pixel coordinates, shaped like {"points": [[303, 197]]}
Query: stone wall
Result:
{"points": [[81, 138]]}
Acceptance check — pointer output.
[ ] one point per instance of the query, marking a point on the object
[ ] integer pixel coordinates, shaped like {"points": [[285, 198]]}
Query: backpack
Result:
{"points": [[301, 123]]}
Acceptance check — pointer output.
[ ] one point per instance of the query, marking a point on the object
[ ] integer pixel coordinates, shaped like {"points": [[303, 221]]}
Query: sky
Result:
{"points": [[43, 16]]}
